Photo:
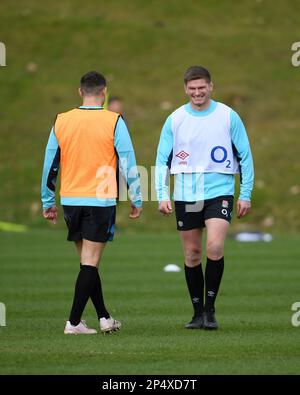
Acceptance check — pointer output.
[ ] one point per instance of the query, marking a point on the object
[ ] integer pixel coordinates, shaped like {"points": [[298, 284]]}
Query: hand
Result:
{"points": [[243, 208], [135, 212], [51, 214], [165, 207]]}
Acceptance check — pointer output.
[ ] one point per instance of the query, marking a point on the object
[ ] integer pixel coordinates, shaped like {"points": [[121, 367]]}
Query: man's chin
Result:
{"points": [[199, 103]]}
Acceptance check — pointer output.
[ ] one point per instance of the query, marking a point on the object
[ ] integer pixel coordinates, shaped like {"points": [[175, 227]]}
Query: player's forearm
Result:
{"points": [[162, 182], [134, 187], [163, 160], [128, 170], [241, 143], [127, 162], [245, 193], [162, 172], [246, 189], [247, 175], [50, 171], [48, 179], [48, 200]]}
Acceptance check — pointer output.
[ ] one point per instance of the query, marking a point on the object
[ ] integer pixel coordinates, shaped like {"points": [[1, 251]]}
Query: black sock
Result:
{"points": [[195, 282], [83, 288], [97, 299], [213, 275]]}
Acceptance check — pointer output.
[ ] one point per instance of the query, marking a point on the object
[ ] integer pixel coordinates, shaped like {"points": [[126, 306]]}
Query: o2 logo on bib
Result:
{"points": [[219, 155]]}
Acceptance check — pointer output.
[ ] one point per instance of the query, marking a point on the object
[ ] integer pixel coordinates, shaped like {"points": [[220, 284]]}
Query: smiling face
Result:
{"points": [[199, 92]]}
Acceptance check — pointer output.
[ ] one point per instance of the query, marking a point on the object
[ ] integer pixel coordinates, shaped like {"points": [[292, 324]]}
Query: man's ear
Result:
{"points": [[104, 95], [80, 92], [185, 88], [211, 86]]}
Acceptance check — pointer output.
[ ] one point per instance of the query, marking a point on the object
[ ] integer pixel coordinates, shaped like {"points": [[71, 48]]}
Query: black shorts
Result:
{"points": [[192, 215], [90, 223]]}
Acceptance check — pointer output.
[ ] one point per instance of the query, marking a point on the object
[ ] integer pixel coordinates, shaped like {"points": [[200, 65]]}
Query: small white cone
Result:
{"points": [[267, 237], [172, 268]]}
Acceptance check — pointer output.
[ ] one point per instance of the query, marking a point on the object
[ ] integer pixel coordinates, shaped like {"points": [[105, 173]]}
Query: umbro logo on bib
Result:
{"points": [[182, 155]]}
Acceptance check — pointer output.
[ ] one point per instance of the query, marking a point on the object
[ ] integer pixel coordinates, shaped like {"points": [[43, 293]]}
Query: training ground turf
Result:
{"points": [[261, 282]]}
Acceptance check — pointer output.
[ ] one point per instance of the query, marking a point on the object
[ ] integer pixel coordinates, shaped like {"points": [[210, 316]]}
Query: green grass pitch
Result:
{"points": [[260, 284]]}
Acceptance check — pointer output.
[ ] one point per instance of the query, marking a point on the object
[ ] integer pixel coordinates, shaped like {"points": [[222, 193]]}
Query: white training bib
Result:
{"points": [[203, 144]]}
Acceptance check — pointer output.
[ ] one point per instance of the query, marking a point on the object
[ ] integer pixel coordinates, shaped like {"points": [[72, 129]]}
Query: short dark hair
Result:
{"points": [[196, 73], [92, 83]]}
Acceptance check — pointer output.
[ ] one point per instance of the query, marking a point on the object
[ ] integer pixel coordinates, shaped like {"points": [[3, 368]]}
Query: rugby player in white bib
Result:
{"points": [[203, 144]]}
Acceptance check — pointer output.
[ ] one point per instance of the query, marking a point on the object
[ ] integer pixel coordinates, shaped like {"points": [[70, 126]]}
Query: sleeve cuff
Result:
{"points": [[246, 198], [137, 204]]}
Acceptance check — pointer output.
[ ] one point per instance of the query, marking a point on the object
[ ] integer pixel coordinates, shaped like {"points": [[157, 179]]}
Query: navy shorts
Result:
{"points": [[90, 223], [192, 215]]}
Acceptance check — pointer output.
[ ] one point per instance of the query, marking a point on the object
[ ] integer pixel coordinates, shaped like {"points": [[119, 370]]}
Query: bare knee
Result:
{"points": [[192, 256], [214, 250], [89, 259], [91, 252]]}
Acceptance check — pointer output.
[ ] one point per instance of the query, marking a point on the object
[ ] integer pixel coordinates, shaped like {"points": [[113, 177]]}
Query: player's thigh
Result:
{"points": [[191, 241], [91, 252], [217, 217], [217, 230], [78, 245]]}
